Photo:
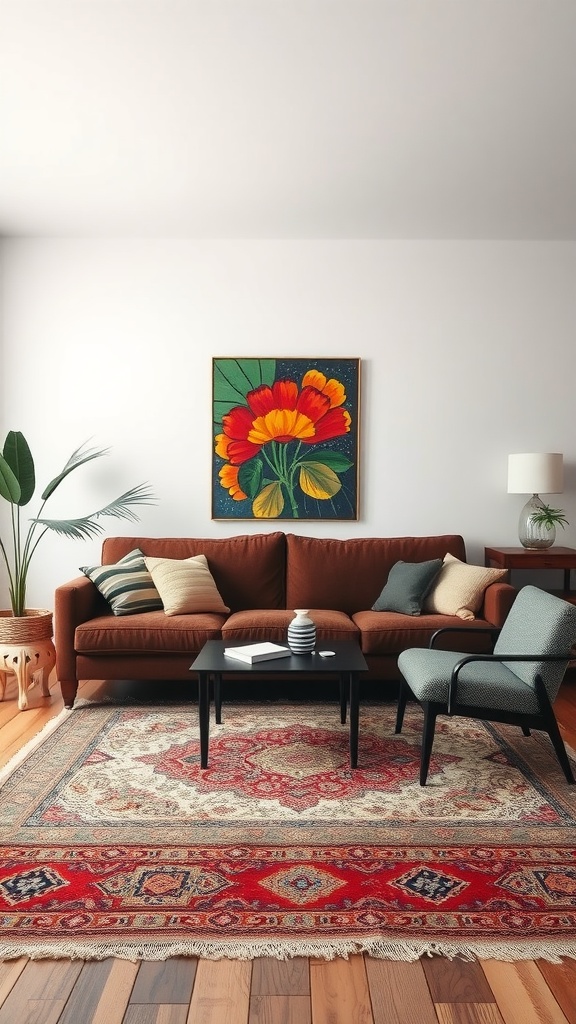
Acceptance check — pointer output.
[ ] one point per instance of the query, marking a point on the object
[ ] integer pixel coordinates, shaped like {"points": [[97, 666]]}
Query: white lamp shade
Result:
{"points": [[535, 473]]}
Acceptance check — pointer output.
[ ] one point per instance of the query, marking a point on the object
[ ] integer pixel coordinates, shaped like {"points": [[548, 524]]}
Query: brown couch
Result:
{"points": [[261, 578]]}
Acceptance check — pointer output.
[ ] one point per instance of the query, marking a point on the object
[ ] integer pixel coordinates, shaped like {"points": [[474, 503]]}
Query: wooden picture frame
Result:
{"points": [[285, 438]]}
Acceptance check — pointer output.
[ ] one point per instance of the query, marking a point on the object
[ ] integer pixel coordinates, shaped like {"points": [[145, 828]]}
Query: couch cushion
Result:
{"points": [[185, 585], [459, 588], [348, 575], [390, 632], [249, 570], [407, 586], [127, 585], [148, 633], [265, 624], [257, 624]]}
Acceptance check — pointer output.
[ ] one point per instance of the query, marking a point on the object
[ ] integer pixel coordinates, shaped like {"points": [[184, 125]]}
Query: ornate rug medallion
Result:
{"points": [[115, 842]]}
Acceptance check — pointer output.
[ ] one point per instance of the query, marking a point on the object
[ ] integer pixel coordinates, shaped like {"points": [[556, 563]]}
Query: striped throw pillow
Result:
{"points": [[127, 586]]}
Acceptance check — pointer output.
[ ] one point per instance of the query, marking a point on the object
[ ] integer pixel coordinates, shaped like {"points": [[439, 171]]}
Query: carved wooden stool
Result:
{"points": [[26, 651], [30, 664]]}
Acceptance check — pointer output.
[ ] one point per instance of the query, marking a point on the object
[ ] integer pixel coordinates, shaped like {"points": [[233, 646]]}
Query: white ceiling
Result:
{"points": [[289, 118]]}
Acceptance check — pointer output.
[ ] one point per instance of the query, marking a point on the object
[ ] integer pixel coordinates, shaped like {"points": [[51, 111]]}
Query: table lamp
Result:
{"points": [[535, 473]]}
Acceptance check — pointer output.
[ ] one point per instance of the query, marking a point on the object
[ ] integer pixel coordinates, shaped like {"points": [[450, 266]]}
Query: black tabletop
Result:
{"points": [[347, 658]]}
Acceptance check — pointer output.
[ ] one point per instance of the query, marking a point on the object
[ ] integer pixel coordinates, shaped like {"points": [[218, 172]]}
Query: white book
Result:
{"points": [[251, 653]]}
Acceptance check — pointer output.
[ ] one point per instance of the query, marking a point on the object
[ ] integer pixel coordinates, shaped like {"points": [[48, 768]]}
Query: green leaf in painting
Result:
{"points": [[234, 378], [270, 502], [319, 481], [250, 477], [338, 462]]}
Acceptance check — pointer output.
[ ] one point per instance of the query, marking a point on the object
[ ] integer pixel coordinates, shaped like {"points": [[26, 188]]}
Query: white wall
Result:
{"points": [[467, 353]]}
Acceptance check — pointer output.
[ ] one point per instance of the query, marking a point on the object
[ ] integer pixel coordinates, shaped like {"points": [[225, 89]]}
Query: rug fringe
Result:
{"points": [[380, 948], [29, 747]]}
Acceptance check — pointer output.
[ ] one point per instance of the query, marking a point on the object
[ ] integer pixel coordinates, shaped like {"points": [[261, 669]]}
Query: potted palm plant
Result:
{"points": [[17, 487]]}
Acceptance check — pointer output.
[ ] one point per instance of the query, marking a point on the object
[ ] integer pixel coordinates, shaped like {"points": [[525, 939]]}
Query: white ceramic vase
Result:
{"points": [[301, 632]]}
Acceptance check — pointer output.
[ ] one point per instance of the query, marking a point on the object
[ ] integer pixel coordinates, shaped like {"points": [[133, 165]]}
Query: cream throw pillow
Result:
{"points": [[185, 585], [459, 588]]}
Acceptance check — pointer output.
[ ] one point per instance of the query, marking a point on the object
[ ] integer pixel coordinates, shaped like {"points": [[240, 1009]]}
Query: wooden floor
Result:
{"points": [[360, 990]]}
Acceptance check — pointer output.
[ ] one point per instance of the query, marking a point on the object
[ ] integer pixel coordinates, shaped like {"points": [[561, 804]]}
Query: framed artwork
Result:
{"points": [[285, 436]]}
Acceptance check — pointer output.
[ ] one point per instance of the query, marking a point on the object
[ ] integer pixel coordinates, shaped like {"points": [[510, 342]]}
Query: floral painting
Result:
{"points": [[285, 438]]}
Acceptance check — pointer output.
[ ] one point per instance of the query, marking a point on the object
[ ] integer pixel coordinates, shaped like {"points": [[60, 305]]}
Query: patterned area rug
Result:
{"points": [[115, 842]]}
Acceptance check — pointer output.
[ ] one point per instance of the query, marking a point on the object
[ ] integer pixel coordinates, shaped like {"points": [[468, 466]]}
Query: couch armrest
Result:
{"points": [[74, 602], [498, 600]]}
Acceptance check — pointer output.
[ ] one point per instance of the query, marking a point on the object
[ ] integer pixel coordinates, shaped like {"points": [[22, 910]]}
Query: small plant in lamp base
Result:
{"points": [[550, 517], [539, 530]]}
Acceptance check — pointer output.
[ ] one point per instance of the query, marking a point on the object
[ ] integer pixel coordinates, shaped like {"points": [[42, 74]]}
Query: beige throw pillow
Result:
{"points": [[459, 588], [185, 585]]}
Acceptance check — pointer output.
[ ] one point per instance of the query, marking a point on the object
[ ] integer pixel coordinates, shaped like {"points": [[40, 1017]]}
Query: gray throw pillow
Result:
{"points": [[407, 586]]}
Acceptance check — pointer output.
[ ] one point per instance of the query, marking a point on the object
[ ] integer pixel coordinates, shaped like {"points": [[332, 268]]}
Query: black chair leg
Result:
{"points": [[525, 730], [402, 700], [551, 726], [430, 713], [558, 744]]}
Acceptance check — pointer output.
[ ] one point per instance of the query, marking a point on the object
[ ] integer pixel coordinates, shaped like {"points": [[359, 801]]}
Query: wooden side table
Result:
{"points": [[563, 559]]}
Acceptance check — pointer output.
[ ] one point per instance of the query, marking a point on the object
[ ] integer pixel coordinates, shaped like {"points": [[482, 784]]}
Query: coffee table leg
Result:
{"points": [[354, 716], [218, 698], [204, 715], [343, 698]]}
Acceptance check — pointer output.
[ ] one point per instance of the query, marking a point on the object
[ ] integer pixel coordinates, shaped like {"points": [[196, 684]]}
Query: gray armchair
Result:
{"points": [[516, 684]]}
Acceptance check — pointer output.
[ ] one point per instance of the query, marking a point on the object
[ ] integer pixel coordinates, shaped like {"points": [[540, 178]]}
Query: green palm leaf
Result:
{"points": [[19, 458], [87, 527], [17, 483], [78, 458], [75, 529], [9, 486]]}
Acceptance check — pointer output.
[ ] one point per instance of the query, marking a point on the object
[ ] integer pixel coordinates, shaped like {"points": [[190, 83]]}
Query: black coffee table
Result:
{"points": [[348, 662]]}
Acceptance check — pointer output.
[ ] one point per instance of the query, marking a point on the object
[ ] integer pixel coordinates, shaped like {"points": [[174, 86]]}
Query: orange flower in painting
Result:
{"points": [[229, 479], [282, 413], [332, 388], [233, 444]]}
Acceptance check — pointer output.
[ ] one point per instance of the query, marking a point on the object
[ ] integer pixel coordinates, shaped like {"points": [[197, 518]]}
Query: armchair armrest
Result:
{"points": [[453, 685], [493, 630]]}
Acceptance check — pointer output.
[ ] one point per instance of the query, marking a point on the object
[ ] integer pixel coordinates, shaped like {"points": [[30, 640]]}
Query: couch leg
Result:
{"points": [[69, 689]]}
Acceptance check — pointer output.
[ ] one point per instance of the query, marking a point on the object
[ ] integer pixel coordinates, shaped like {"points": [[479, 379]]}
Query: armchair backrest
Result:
{"points": [[539, 623]]}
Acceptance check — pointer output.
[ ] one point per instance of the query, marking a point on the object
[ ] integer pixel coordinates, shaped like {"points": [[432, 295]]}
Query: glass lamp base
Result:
{"points": [[531, 534]]}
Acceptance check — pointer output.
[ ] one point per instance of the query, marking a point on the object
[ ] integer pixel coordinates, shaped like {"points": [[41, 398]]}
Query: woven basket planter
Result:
{"points": [[30, 628]]}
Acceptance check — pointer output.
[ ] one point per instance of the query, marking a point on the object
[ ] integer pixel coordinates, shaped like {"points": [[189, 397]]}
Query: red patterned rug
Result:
{"points": [[113, 841]]}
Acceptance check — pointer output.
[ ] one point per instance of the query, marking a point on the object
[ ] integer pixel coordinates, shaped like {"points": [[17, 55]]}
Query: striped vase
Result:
{"points": [[301, 633]]}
